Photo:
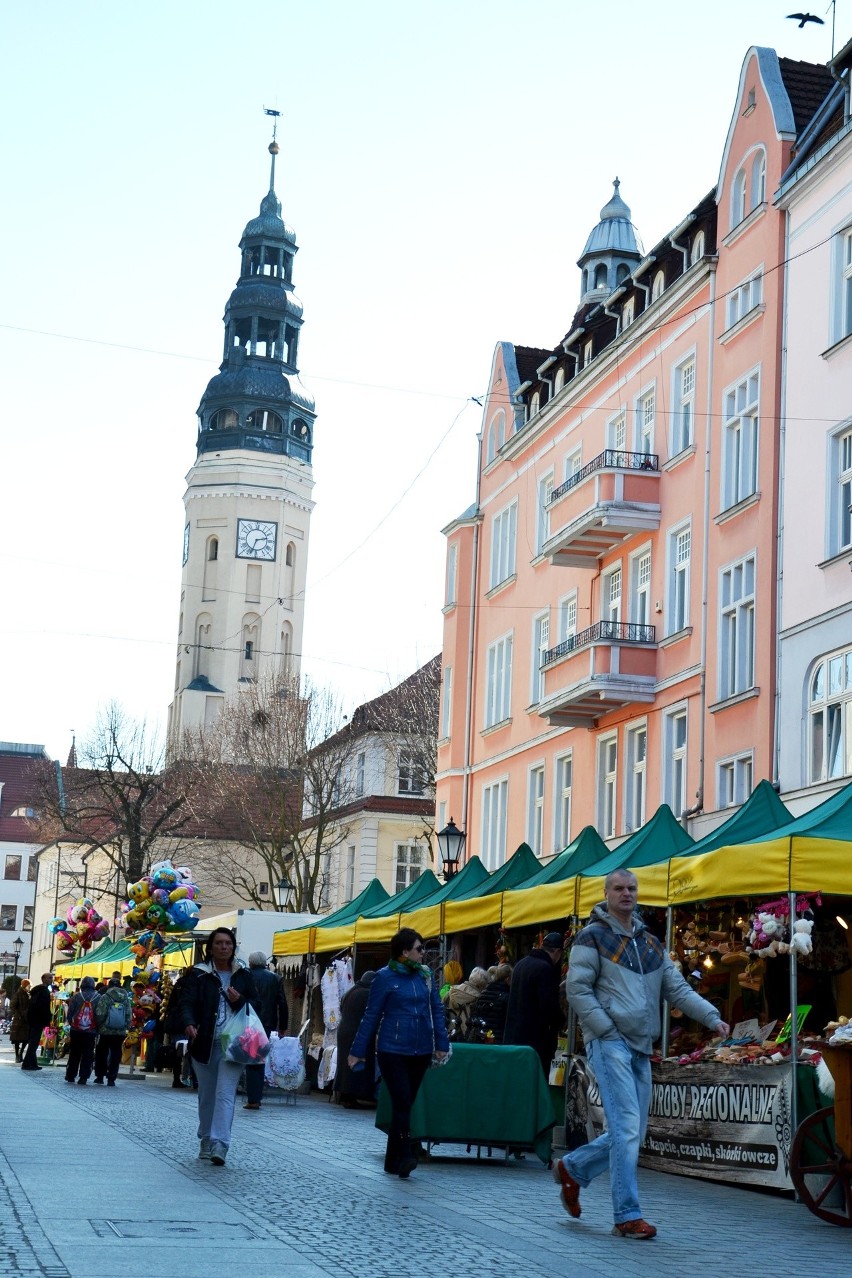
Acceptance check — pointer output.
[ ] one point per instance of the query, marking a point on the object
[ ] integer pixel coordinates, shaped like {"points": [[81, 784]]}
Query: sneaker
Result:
{"points": [[634, 1229], [204, 1151], [218, 1153], [569, 1188]]}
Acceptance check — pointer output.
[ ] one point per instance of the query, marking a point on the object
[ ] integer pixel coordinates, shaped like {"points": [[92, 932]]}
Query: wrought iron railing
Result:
{"points": [[610, 459], [613, 631]]}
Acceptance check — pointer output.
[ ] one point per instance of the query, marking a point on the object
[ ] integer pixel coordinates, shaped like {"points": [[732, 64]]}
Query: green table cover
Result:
{"points": [[485, 1095]]}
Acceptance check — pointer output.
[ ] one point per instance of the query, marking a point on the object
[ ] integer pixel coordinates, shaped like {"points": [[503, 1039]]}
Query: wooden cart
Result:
{"points": [[821, 1155]]}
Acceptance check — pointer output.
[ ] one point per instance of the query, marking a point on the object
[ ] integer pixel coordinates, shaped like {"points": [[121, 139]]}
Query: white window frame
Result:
{"points": [[737, 599], [496, 436], [409, 862], [740, 437], [360, 773], [829, 700], [535, 808], [573, 462], [628, 314], [495, 807], [683, 401], [607, 785], [349, 874], [757, 180], [450, 599], [841, 325], [588, 353], [567, 616], [745, 298], [498, 680], [639, 602], [545, 492], [612, 593], [559, 380], [739, 197], [645, 418], [734, 780], [540, 645], [679, 554], [504, 535], [697, 250], [636, 776], [446, 702], [562, 791], [658, 287], [409, 775], [839, 514], [534, 405], [675, 747], [616, 433]]}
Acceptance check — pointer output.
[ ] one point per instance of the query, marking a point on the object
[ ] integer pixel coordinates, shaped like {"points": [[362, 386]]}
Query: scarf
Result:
{"points": [[411, 967]]}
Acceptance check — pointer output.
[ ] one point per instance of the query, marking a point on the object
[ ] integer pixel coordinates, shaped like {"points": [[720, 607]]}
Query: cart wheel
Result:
{"points": [[819, 1170]]}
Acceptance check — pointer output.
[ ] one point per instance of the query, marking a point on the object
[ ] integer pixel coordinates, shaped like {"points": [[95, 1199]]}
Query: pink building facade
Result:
{"points": [[611, 607]]}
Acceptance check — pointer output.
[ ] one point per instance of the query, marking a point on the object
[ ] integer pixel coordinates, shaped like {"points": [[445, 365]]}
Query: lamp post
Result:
{"points": [[17, 946], [451, 841], [284, 893]]}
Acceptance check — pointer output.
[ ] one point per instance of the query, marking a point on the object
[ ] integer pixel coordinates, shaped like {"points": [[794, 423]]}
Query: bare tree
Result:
{"points": [[120, 799], [407, 716], [274, 773]]}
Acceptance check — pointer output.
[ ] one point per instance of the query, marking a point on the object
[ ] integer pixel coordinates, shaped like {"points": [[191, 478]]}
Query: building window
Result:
{"points": [[496, 437], [745, 298], [617, 435], [568, 616], [8, 916], [23, 811], [503, 537], [840, 492], [32, 870], [452, 568], [637, 750], [830, 714], [646, 416], [541, 643], [735, 780], [534, 405], [697, 251], [535, 813], [736, 668], [325, 883], [674, 760], [263, 889], [564, 778], [611, 594], [29, 915], [349, 874], [494, 806], [758, 179], [680, 543], [360, 770], [13, 866], [739, 198], [842, 326], [588, 350], [683, 417], [446, 701], [739, 442], [628, 314], [409, 774], [542, 532], [659, 285], [640, 588], [607, 785], [498, 682], [559, 380]]}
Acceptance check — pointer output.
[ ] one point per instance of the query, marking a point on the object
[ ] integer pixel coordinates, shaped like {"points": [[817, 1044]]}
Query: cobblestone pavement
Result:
{"points": [[104, 1183]]}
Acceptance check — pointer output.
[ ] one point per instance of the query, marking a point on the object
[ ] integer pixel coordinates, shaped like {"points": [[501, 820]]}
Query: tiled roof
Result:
{"points": [[374, 716], [18, 773], [528, 360], [807, 84]]}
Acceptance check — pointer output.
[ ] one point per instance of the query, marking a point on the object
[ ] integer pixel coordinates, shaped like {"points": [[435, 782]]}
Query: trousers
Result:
{"points": [[217, 1094], [624, 1081], [81, 1055], [108, 1056], [403, 1076]]}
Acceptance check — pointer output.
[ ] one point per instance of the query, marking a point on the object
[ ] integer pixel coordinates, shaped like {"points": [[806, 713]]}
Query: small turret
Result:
{"points": [[612, 250]]}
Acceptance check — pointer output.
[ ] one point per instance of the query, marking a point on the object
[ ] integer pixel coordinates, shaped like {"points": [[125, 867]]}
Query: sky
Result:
{"points": [[442, 166]]}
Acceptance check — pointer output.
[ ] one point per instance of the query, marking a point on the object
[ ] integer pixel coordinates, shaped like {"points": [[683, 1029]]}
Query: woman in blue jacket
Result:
{"points": [[406, 1009]]}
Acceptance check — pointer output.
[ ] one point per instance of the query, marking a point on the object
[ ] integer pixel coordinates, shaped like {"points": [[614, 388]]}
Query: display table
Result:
{"points": [[483, 1096]]}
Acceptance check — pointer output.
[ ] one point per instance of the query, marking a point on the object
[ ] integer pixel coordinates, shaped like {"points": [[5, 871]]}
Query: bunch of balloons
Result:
{"points": [[80, 928], [164, 900]]}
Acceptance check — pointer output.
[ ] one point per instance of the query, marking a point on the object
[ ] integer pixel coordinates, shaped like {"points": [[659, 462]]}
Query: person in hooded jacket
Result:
{"points": [[351, 1087], [210, 992], [404, 1006], [82, 1022], [617, 978]]}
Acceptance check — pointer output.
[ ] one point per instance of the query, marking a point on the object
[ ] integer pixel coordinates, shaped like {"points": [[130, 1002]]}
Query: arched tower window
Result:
{"points": [[758, 179], [830, 717], [600, 275], [264, 419], [208, 589], [559, 380], [535, 405], [496, 437], [250, 650], [621, 273], [224, 419], [585, 280], [286, 650], [289, 574], [697, 249], [659, 285], [739, 198], [213, 548]]}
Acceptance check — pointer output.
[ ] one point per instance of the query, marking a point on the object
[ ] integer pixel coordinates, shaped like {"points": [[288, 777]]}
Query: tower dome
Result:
{"points": [[611, 251]]}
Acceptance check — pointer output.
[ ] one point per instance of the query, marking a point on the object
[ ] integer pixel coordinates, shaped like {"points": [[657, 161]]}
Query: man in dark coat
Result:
{"points": [[534, 1014], [271, 1006], [361, 1085], [38, 1016]]}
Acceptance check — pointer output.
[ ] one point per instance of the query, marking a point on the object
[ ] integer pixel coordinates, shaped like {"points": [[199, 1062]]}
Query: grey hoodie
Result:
{"points": [[617, 979]]}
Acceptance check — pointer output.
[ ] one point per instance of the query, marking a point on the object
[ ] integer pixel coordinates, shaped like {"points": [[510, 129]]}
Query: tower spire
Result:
{"points": [[273, 145]]}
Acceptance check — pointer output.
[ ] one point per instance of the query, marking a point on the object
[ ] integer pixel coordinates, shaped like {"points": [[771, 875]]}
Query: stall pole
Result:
{"points": [[794, 1027], [666, 1006]]}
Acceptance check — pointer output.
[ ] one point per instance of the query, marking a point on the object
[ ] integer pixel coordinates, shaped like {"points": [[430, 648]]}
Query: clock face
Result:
{"points": [[186, 543], [256, 539]]}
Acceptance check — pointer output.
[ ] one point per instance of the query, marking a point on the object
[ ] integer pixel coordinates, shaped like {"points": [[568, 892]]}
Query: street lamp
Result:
{"points": [[451, 841], [284, 893], [17, 946]]}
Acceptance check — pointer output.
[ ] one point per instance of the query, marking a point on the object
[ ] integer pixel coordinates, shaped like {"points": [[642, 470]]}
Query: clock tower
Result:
{"points": [[248, 498]]}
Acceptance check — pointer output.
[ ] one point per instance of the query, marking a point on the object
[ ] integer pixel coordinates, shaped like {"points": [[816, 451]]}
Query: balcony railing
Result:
{"points": [[602, 631], [611, 459]]}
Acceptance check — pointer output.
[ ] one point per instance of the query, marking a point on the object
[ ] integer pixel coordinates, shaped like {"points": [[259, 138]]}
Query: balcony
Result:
{"points": [[612, 497], [606, 667]]}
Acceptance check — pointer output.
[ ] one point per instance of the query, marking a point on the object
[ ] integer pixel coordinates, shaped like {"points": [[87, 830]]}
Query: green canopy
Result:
{"points": [[762, 814], [585, 850], [374, 894], [521, 866], [657, 840], [473, 874], [408, 899]]}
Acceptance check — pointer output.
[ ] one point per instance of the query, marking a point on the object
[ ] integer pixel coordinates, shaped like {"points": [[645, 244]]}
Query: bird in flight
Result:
{"points": [[802, 18]]}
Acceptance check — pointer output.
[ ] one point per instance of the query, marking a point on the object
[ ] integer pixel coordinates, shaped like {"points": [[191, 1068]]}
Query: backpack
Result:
{"points": [[84, 1017], [112, 1013]]}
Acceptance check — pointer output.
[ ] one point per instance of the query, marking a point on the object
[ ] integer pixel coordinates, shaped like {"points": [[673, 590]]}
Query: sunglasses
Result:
{"points": [[418, 947]]}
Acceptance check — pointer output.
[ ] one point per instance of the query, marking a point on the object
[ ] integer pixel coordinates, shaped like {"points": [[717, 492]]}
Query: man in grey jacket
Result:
{"points": [[618, 975]]}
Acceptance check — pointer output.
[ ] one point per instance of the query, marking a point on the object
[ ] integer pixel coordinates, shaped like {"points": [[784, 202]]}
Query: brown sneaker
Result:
{"points": [[569, 1189], [634, 1229]]}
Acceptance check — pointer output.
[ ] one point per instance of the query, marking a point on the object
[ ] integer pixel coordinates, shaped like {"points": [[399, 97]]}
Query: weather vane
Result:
{"points": [[275, 114]]}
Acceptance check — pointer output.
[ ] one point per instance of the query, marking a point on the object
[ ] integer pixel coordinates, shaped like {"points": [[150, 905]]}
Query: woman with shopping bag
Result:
{"points": [[213, 994]]}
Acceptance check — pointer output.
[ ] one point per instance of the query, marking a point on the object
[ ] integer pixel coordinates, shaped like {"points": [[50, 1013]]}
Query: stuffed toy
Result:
{"points": [[800, 941]]}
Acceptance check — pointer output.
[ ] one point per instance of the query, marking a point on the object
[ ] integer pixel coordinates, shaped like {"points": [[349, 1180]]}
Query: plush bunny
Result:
{"points": [[800, 941]]}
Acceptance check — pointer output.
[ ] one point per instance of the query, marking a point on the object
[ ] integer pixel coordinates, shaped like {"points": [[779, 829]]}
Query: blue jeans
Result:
{"points": [[624, 1081], [217, 1092]]}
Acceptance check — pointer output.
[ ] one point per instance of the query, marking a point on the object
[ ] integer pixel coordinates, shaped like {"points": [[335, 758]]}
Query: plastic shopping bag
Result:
{"points": [[243, 1039]]}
